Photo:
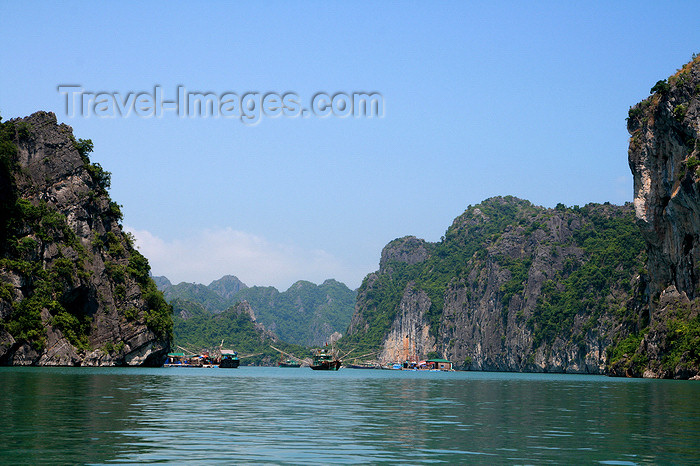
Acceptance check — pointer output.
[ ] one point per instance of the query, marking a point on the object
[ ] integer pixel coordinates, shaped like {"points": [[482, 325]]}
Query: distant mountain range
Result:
{"points": [[306, 314], [196, 328]]}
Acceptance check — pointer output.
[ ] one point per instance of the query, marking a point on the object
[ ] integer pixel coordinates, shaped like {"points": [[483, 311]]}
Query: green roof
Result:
{"points": [[176, 355], [438, 360]]}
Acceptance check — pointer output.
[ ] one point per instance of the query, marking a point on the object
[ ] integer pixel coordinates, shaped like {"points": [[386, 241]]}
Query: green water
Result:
{"points": [[299, 416]]}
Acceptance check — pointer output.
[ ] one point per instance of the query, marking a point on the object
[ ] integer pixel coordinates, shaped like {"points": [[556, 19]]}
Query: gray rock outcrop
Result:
{"points": [[512, 287], [664, 156], [73, 290]]}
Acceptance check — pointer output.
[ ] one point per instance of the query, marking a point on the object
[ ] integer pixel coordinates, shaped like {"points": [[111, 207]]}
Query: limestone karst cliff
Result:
{"points": [[664, 156], [511, 286], [601, 289], [73, 290]]}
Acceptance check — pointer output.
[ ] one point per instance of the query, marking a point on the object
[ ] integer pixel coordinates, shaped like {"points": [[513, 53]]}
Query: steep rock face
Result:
{"points": [[664, 155], [512, 287], [407, 250], [664, 147], [410, 332], [359, 323], [73, 291]]}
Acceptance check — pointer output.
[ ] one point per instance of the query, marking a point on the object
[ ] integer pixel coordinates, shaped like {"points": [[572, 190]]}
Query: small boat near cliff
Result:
{"points": [[324, 360], [177, 360], [366, 365], [229, 359], [191, 360], [223, 358]]}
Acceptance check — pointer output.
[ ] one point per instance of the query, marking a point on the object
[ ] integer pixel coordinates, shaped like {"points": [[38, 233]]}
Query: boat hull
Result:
{"points": [[229, 363], [327, 366]]}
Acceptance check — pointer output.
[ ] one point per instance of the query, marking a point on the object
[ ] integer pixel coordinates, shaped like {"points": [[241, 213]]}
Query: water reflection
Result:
{"points": [[48, 414], [212, 416]]}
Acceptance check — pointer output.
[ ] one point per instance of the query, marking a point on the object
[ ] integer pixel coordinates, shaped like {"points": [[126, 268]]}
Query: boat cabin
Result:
{"points": [[176, 359], [439, 364]]}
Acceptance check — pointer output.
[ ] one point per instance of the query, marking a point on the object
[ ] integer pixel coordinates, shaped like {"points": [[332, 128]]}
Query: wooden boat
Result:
{"points": [[323, 360], [366, 365], [191, 360], [291, 361], [359, 362], [229, 359]]}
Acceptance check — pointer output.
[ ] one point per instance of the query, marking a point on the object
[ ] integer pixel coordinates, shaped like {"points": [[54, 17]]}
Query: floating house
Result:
{"points": [[439, 364], [176, 359]]}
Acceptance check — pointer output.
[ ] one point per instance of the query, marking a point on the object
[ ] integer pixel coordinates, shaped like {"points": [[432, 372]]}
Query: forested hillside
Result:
{"points": [[196, 328], [305, 314]]}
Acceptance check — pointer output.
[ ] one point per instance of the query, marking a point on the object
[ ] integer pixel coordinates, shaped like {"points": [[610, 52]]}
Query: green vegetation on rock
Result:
{"points": [[305, 314], [613, 252], [50, 277], [683, 341], [564, 265], [197, 329]]}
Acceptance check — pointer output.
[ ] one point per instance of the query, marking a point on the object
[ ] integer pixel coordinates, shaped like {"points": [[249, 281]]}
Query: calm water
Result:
{"points": [[275, 415]]}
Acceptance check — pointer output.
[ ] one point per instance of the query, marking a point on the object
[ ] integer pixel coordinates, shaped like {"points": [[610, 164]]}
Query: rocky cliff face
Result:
{"points": [[410, 331], [664, 156], [517, 287], [512, 287], [227, 286], [73, 290]]}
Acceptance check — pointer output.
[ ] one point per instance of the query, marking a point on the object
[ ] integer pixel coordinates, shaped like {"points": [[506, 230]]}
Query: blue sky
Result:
{"points": [[480, 99]]}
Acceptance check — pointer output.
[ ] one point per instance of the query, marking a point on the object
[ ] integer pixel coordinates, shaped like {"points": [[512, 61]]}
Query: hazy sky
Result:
{"points": [[480, 99]]}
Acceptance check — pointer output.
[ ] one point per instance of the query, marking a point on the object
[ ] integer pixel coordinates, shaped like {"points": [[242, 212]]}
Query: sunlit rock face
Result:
{"points": [[665, 143], [664, 157]]}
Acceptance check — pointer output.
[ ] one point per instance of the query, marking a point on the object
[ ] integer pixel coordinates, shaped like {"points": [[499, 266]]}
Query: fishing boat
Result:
{"points": [[229, 359], [289, 363], [359, 362], [189, 360], [177, 360], [365, 365], [323, 360]]}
